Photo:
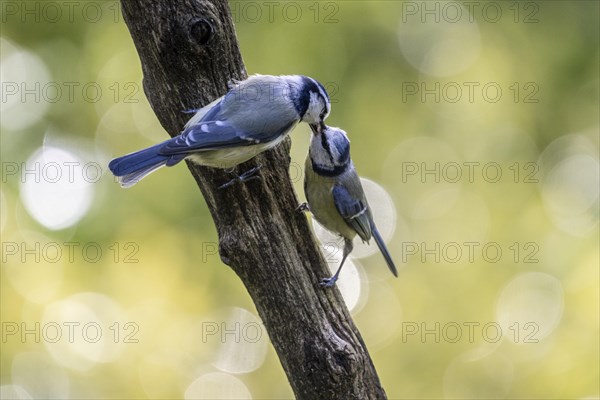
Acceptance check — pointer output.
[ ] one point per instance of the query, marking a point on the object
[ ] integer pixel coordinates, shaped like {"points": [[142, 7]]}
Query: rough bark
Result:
{"points": [[189, 53]]}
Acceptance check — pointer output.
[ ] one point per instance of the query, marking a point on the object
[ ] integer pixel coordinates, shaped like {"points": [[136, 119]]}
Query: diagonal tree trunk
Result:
{"points": [[189, 52]]}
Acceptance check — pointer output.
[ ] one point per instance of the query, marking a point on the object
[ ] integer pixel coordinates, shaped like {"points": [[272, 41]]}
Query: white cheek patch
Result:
{"points": [[314, 106], [319, 155]]}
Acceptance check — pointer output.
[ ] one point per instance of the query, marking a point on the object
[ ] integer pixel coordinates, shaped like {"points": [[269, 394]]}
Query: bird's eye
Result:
{"points": [[323, 112]]}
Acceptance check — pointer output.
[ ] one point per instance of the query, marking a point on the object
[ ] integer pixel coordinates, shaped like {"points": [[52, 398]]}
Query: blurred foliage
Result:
{"points": [[158, 268]]}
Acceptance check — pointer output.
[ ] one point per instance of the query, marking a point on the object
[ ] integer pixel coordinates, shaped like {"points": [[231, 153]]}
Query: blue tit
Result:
{"points": [[335, 195], [255, 115]]}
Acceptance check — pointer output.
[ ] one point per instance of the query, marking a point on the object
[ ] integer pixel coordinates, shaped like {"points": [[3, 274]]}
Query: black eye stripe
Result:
{"points": [[303, 99], [316, 87]]}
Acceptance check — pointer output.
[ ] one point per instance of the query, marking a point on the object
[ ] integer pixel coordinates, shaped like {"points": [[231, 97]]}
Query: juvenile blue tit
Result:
{"points": [[255, 115], [335, 195]]}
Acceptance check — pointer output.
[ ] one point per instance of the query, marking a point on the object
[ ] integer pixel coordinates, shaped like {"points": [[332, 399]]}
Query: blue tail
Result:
{"points": [[383, 249], [130, 169]]}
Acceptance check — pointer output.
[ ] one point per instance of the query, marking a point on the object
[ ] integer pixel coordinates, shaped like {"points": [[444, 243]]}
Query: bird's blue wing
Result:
{"points": [[354, 211], [208, 113], [214, 135], [213, 114]]}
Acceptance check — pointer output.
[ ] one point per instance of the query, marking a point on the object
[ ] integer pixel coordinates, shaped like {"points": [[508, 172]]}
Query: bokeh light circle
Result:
{"points": [[570, 171], [439, 45], [242, 341], [570, 192], [40, 375], [349, 283], [58, 191], [217, 385], [14, 392], [86, 329], [24, 77], [532, 305]]}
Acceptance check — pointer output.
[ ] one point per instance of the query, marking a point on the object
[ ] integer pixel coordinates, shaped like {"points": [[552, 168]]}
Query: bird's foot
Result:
{"points": [[245, 177], [191, 111], [303, 207], [329, 282], [232, 83]]}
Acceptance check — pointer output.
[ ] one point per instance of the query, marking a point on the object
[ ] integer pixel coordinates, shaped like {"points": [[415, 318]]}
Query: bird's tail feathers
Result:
{"points": [[131, 179], [384, 250], [130, 169]]}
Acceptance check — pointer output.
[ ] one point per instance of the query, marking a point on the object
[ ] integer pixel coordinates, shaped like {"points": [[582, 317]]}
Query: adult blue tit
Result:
{"points": [[335, 195], [255, 115]]}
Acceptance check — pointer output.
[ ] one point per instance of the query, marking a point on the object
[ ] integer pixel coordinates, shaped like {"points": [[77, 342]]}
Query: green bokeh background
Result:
{"points": [[543, 291]]}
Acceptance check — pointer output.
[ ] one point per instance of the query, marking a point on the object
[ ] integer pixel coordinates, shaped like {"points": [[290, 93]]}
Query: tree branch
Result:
{"points": [[189, 52]]}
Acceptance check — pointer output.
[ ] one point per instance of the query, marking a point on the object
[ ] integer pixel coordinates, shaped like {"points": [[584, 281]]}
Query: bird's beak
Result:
{"points": [[315, 129], [318, 128]]}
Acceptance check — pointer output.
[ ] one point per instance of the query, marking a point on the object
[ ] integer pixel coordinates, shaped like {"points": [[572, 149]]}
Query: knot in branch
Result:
{"points": [[202, 31]]}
